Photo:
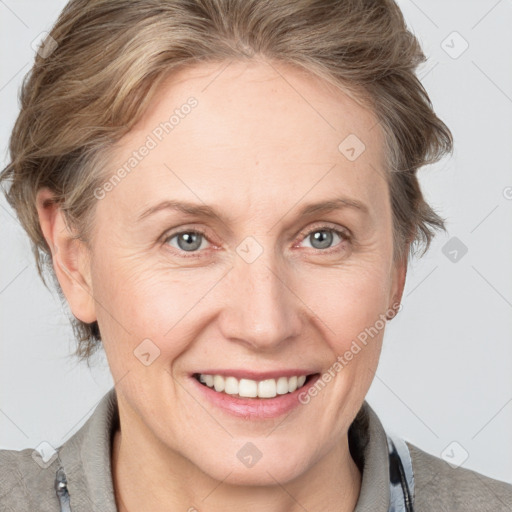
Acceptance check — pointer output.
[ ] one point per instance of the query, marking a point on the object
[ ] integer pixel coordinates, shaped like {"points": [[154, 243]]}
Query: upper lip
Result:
{"points": [[252, 375]]}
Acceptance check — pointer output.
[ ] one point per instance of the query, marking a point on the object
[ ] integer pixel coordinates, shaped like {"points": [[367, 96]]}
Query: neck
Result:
{"points": [[148, 478]]}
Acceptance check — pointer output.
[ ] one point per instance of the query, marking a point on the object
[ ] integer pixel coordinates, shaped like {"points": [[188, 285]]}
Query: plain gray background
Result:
{"points": [[445, 376]]}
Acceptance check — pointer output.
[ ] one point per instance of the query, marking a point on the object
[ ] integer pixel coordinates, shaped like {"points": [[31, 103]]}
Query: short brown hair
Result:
{"points": [[111, 55]]}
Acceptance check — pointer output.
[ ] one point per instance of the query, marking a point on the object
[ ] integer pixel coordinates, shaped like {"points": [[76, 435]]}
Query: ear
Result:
{"points": [[398, 284], [70, 257]]}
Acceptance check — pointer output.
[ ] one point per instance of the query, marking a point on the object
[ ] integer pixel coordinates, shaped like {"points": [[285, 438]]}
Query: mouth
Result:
{"points": [[266, 388], [254, 396]]}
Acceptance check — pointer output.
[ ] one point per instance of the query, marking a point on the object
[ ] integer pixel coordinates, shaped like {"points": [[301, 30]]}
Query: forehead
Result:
{"points": [[255, 129], [261, 98]]}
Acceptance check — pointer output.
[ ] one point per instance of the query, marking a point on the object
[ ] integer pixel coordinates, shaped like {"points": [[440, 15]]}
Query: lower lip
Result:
{"points": [[255, 408]]}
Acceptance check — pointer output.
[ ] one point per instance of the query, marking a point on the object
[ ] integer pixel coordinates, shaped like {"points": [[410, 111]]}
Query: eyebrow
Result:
{"points": [[203, 210]]}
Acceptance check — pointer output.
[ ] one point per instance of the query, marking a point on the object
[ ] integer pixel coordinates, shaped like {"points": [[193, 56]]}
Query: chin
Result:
{"points": [[252, 466], [261, 474]]}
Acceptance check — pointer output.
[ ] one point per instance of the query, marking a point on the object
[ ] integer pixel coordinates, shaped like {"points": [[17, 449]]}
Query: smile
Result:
{"points": [[253, 395], [248, 388]]}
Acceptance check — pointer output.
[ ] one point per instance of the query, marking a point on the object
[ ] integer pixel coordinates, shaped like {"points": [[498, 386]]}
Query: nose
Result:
{"points": [[260, 307]]}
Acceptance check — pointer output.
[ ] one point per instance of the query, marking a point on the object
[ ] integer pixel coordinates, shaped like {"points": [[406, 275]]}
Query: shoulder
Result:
{"points": [[27, 481], [441, 487], [28, 478]]}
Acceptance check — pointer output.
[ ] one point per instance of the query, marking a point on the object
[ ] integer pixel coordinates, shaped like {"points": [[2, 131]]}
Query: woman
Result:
{"points": [[174, 163]]}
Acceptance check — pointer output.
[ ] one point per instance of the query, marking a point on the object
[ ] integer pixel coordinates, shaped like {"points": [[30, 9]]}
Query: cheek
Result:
{"points": [[350, 304], [146, 302]]}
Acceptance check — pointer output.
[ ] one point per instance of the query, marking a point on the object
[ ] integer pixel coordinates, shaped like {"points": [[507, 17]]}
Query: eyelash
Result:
{"points": [[344, 236]]}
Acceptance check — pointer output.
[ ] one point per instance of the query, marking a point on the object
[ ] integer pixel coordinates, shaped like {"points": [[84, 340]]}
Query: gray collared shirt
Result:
{"points": [[79, 478]]}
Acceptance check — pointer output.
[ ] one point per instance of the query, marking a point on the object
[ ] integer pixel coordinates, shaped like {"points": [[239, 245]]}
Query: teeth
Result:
{"points": [[268, 388], [248, 388], [218, 383], [231, 386], [282, 385]]}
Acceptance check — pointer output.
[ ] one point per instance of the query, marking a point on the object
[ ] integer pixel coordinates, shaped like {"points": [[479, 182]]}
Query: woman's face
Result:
{"points": [[248, 279]]}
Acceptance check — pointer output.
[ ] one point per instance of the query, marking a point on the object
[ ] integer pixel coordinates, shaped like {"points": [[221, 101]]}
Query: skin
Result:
{"points": [[261, 143]]}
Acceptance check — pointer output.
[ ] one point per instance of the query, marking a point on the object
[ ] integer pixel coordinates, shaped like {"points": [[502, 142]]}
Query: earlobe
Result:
{"points": [[70, 257]]}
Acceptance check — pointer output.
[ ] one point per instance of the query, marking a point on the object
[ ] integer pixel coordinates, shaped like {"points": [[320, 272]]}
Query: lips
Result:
{"points": [[254, 407]]}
